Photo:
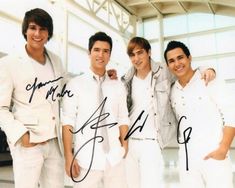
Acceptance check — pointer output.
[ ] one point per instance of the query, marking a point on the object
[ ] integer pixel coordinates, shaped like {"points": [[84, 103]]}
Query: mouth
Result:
{"points": [[179, 68], [37, 39], [138, 63], [100, 61]]}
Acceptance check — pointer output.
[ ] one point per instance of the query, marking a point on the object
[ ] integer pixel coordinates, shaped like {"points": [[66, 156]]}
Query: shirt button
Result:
{"points": [[155, 114], [53, 118]]}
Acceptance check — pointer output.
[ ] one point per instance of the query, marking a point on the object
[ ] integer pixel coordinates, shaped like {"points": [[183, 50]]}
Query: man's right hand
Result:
{"points": [[25, 141], [75, 166]]}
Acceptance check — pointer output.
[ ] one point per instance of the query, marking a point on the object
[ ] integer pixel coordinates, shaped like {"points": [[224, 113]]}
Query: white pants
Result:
{"points": [[207, 174], [111, 177], [41, 164], [144, 164]]}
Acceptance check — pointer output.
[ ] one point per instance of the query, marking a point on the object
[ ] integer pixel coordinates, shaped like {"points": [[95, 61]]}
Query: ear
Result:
{"points": [[149, 53], [190, 58]]}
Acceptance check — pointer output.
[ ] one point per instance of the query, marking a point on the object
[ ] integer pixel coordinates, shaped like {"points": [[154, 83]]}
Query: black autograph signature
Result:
{"points": [[140, 127], [187, 132], [52, 90], [94, 123]]}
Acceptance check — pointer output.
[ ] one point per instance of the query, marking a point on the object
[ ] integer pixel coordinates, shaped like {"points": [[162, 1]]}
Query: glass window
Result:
{"points": [[202, 45], [151, 28], [226, 67], [200, 22], [225, 41], [183, 40], [155, 51], [212, 63], [175, 25], [79, 31], [224, 21], [78, 61], [12, 39]]}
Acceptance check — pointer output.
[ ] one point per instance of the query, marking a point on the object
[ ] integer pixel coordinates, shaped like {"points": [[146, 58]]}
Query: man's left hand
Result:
{"points": [[208, 75]]}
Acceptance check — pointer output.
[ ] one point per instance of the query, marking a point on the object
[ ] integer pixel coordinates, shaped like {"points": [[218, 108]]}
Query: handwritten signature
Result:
{"points": [[187, 132], [51, 92], [94, 122], [133, 128]]}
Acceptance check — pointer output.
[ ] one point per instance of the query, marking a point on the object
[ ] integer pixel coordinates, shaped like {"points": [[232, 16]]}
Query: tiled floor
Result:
{"points": [[171, 179]]}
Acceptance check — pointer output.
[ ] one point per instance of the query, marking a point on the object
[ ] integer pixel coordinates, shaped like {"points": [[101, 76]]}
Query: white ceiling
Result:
{"points": [[161, 8]]}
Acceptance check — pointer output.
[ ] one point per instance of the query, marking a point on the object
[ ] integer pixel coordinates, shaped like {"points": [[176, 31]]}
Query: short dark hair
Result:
{"points": [[100, 36], [138, 41], [176, 44], [41, 18]]}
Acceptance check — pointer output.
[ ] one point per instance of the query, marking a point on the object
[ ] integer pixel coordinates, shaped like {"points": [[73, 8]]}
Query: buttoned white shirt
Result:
{"points": [[206, 111], [80, 109]]}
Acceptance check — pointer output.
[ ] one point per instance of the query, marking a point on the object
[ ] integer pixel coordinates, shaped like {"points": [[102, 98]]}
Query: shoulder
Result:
{"points": [[52, 55]]}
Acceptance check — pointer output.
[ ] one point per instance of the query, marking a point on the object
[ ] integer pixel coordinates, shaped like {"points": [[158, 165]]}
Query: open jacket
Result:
{"points": [[161, 81], [16, 72]]}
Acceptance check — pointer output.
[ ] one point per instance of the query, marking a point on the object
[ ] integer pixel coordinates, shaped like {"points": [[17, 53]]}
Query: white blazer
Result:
{"points": [[16, 72]]}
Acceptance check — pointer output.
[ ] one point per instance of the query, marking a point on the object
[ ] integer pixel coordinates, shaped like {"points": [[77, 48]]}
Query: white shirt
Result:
{"points": [[78, 109], [44, 74], [142, 101], [203, 109]]}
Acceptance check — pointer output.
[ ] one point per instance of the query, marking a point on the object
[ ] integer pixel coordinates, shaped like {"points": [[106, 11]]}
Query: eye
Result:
{"points": [[32, 27]]}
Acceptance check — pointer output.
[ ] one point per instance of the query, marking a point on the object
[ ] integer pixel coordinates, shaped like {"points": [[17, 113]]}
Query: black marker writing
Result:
{"points": [[133, 128], [52, 90], [94, 124], [186, 139]]}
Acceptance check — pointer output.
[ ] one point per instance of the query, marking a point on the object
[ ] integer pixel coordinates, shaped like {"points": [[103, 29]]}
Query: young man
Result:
{"points": [[199, 108], [32, 125], [89, 115], [153, 123]]}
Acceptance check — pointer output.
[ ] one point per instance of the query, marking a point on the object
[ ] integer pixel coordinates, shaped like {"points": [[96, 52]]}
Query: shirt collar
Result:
{"points": [[97, 77], [196, 76]]}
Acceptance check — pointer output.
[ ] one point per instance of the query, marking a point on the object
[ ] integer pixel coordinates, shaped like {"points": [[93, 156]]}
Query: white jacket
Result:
{"points": [[16, 72]]}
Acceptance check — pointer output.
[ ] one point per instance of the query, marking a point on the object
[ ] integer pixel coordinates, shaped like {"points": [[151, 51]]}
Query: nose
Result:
{"points": [[101, 53], [135, 58], [177, 62], [37, 32]]}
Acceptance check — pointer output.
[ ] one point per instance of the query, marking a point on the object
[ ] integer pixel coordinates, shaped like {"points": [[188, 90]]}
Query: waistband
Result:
{"points": [[139, 139]]}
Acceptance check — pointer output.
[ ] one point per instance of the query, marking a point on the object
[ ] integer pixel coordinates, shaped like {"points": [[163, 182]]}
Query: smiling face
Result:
{"points": [[140, 58], [100, 56], [37, 36], [178, 63]]}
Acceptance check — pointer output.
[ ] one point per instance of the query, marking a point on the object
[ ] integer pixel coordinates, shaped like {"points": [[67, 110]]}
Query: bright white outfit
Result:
{"points": [[201, 107], [76, 112], [41, 164], [144, 159]]}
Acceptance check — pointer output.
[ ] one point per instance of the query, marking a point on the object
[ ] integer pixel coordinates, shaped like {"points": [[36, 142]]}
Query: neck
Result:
{"points": [[142, 73], [186, 78], [99, 72], [36, 54]]}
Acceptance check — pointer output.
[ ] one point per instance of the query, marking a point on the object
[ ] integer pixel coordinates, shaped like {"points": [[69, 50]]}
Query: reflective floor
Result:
{"points": [[171, 178]]}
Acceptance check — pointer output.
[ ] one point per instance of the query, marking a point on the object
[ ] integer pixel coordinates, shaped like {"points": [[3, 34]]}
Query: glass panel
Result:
{"points": [[224, 21], [171, 25], [151, 28], [226, 67], [202, 45], [78, 61], [212, 63], [225, 41], [155, 52], [200, 22], [79, 31], [11, 37]]}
